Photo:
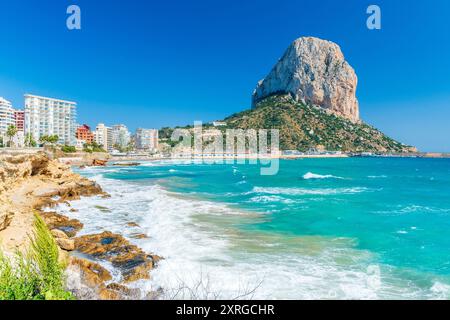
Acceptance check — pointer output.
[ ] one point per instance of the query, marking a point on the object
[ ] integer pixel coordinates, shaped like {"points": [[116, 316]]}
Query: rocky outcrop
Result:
{"points": [[126, 164], [99, 163], [63, 240], [61, 223], [133, 263], [33, 183], [315, 72]]}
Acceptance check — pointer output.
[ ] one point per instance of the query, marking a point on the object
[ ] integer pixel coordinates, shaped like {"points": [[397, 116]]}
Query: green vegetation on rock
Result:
{"points": [[36, 275], [305, 127]]}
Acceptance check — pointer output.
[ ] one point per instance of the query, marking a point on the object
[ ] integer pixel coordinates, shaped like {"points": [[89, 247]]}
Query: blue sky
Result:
{"points": [[163, 63]]}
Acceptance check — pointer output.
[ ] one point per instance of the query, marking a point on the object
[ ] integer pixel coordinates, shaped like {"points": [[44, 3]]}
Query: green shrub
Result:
{"points": [[37, 275], [68, 149], [93, 147]]}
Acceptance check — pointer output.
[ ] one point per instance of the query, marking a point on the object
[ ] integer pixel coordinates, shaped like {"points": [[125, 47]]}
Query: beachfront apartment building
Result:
{"points": [[49, 116], [19, 118], [103, 136], [146, 139], [6, 115], [84, 133], [121, 137]]}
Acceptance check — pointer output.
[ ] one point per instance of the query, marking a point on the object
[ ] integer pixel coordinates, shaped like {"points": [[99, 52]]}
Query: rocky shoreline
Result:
{"points": [[35, 184]]}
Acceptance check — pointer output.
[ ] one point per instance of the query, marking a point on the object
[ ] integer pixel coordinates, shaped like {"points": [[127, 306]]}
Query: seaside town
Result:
{"points": [[48, 120]]}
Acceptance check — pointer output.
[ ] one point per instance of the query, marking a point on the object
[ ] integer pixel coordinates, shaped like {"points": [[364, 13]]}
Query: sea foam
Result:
{"points": [[204, 249], [305, 191], [310, 175]]}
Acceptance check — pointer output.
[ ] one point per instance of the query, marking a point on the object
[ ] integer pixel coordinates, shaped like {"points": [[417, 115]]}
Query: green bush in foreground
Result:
{"points": [[38, 275]]}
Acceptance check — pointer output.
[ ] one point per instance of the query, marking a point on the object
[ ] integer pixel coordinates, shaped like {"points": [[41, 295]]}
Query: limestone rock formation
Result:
{"points": [[315, 72], [29, 182], [134, 263]]}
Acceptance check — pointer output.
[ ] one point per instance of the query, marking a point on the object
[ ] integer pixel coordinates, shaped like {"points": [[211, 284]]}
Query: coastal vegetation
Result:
{"points": [[52, 139], [304, 127], [29, 140], [93, 147], [36, 274], [68, 149], [10, 133]]}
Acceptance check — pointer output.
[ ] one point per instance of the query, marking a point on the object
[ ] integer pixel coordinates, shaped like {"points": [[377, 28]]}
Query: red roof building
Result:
{"points": [[84, 133]]}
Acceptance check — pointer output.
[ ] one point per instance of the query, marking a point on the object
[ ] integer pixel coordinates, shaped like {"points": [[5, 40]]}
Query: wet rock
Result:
{"points": [[56, 221], [124, 290], [93, 274], [140, 271], [127, 164], [139, 236], [107, 294], [102, 209], [132, 224], [134, 263], [99, 163]]}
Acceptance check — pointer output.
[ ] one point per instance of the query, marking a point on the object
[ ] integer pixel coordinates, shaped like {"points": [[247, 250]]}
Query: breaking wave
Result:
{"points": [[310, 175]]}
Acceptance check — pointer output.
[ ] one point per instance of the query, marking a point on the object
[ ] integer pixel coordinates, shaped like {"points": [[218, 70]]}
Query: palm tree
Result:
{"points": [[11, 133], [29, 140]]}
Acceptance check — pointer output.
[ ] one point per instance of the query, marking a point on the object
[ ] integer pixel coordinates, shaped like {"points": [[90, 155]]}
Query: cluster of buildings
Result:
{"points": [[11, 117], [44, 116], [117, 138]]}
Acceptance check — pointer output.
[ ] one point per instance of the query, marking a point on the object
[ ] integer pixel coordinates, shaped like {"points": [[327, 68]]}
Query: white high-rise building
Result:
{"points": [[48, 116], [120, 135], [103, 136], [6, 115], [147, 139]]}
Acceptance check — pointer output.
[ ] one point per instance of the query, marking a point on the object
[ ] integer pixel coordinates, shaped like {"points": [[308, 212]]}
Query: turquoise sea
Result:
{"points": [[356, 228]]}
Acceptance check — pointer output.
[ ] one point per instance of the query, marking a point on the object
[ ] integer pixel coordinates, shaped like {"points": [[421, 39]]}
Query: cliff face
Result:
{"points": [[314, 71], [28, 182], [14, 170]]}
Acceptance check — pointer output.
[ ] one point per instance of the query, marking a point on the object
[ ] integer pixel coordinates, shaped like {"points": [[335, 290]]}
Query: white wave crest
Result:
{"points": [[310, 175], [303, 191], [270, 199], [202, 248]]}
